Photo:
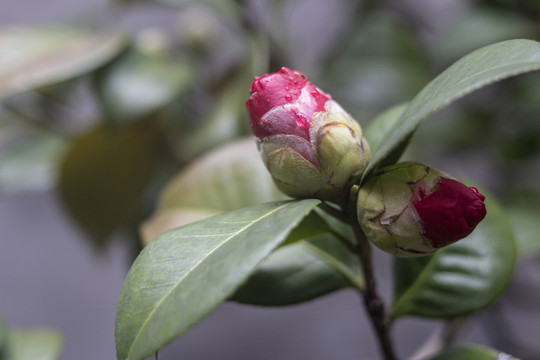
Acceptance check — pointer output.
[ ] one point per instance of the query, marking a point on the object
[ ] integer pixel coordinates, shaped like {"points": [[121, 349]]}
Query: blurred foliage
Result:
{"points": [[154, 99], [34, 343], [107, 118]]}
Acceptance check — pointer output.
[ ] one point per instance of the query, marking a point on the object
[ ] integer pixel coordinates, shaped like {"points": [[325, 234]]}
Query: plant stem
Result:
{"points": [[372, 301], [440, 339]]}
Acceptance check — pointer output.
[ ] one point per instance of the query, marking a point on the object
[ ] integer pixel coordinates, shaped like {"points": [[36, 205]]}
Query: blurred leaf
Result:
{"points": [[461, 278], [185, 273], [4, 333], [34, 57], [228, 178], [229, 8], [524, 220], [167, 219], [35, 344], [480, 27], [381, 127], [31, 163], [300, 272], [475, 352], [138, 84], [382, 63], [104, 173], [223, 123], [476, 70]]}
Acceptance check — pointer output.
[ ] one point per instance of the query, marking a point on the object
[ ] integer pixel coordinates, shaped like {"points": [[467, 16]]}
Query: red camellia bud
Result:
{"points": [[450, 212], [410, 209], [310, 145]]}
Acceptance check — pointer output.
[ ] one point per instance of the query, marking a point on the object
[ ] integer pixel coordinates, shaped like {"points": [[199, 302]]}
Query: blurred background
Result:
{"points": [[102, 103]]}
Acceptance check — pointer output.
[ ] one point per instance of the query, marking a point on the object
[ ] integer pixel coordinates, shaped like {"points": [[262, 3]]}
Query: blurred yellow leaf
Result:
{"points": [[105, 172]]}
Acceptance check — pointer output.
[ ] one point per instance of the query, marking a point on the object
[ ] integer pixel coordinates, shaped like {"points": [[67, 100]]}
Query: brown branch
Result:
{"points": [[372, 301]]}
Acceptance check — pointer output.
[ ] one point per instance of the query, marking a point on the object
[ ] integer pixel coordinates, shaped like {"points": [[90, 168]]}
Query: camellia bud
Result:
{"points": [[410, 209], [310, 145]]}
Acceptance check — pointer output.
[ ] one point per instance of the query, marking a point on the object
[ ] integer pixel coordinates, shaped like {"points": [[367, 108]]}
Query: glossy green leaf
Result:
{"points": [[473, 352], [461, 278], [139, 83], [478, 69], [32, 57], [35, 344], [302, 271], [104, 173], [185, 273], [232, 177]]}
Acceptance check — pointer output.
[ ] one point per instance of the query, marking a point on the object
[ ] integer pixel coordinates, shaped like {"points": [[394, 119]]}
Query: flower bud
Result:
{"points": [[310, 145], [410, 209]]}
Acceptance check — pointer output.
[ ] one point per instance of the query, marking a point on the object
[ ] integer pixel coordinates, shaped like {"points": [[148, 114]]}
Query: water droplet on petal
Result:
{"points": [[288, 97], [301, 74]]}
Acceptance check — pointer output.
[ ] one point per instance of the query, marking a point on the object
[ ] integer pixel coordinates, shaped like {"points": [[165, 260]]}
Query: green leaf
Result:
{"points": [[300, 272], [140, 83], [185, 273], [461, 278], [31, 57], [475, 352], [232, 177], [315, 260], [35, 344], [104, 173], [478, 69]]}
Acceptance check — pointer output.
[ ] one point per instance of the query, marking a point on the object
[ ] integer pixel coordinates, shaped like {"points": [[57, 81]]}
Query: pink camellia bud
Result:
{"points": [[310, 145], [284, 103], [410, 209]]}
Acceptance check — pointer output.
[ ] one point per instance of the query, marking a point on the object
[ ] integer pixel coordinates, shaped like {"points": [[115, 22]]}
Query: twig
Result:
{"points": [[372, 301], [440, 339]]}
